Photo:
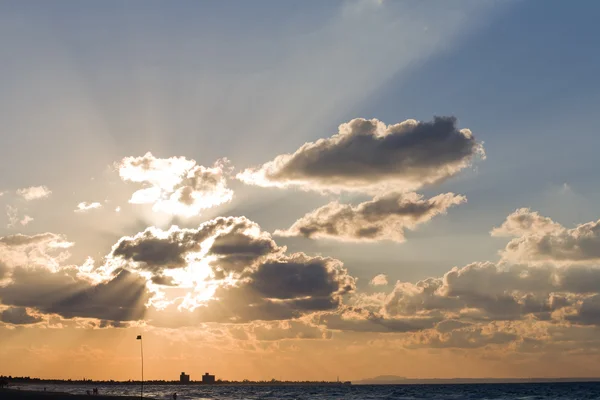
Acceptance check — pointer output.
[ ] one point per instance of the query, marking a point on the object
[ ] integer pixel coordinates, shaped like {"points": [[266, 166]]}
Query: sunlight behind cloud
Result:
{"points": [[177, 185]]}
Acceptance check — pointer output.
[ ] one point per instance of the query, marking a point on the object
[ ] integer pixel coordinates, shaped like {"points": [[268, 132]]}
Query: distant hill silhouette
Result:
{"points": [[382, 379], [398, 380]]}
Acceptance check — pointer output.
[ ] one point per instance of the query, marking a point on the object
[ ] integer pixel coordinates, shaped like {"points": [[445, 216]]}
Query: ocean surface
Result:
{"points": [[512, 391]]}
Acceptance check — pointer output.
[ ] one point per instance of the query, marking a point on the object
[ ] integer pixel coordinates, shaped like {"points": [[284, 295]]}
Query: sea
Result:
{"points": [[512, 391]]}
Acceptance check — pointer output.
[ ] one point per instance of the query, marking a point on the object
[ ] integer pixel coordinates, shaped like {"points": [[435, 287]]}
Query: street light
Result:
{"points": [[139, 337]]}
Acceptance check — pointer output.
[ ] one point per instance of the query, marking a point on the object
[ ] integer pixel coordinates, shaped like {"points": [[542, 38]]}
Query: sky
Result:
{"points": [[300, 189]]}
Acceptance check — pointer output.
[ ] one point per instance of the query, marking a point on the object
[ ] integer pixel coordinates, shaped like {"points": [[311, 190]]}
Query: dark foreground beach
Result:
{"points": [[15, 394]]}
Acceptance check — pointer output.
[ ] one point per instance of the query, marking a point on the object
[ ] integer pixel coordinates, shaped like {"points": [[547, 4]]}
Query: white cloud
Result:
{"points": [[85, 207], [34, 192], [523, 221], [541, 240], [176, 185], [44, 250], [12, 214], [379, 280]]}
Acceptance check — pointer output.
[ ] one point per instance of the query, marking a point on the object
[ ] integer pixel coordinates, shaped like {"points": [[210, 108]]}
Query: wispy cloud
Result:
{"points": [[26, 219], [85, 206], [12, 214]]}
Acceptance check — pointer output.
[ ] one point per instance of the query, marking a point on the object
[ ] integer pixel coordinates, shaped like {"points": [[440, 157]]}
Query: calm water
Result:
{"points": [[525, 391]]}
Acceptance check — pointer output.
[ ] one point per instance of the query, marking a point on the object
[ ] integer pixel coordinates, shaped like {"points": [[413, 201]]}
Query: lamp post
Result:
{"points": [[139, 337]]}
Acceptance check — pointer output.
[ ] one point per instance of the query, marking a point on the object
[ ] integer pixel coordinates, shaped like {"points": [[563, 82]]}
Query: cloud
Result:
{"points": [[542, 240], [230, 244], [588, 312], [270, 331], [85, 207], [3, 270], [12, 213], [47, 250], [18, 316], [34, 276], [286, 288], [122, 298], [26, 220], [34, 192], [176, 185], [379, 280], [464, 337], [235, 271], [523, 221], [112, 324], [299, 277], [489, 291], [369, 156], [360, 320], [248, 277], [383, 218], [22, 241]]}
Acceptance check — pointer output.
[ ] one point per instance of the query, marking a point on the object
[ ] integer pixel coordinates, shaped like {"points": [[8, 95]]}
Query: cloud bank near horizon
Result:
{"points": [[229, 271]]}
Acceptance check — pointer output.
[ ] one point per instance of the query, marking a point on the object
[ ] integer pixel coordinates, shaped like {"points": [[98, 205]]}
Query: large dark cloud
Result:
{"points": [[121, 298], [239, 249], [18, 316], [277, 289], [155, 249], [386, 217], [366, 154], [300, 276], [252, 277], [35, 278]]}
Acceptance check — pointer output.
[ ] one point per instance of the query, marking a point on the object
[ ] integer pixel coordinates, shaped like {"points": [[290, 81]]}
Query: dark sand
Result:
{"points": [[14, 394]]}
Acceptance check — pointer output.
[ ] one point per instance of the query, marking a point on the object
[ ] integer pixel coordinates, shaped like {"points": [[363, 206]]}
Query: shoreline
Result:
{"points": [[27, 394]]}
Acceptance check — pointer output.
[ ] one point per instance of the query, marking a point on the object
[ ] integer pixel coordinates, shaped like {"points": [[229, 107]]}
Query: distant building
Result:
{"points": [[206, 378], [183, 378]]}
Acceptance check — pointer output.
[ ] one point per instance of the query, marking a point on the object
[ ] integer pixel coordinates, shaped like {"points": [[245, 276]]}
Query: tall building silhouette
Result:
{"points": [[183, 378], [206, 378]]}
